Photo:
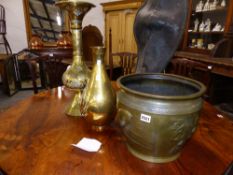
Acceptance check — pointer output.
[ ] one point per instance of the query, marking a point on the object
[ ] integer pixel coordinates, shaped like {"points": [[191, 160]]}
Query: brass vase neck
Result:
{"points": [[77, 45], [98, 53]]}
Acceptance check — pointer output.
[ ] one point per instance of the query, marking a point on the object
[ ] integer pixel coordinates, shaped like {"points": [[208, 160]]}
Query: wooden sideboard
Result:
{"points": [[67, 52], [221, 66], [221, 75]]}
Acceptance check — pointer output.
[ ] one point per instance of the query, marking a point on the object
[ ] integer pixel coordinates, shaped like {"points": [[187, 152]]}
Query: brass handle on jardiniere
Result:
{"points": [[123, 117]]}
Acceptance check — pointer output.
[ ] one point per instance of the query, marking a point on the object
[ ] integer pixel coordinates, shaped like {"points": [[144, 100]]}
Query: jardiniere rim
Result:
{"points": [[200, 86]]}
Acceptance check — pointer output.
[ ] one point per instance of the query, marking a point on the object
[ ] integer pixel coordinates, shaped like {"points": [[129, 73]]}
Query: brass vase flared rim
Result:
{"points": [[63, 3]]}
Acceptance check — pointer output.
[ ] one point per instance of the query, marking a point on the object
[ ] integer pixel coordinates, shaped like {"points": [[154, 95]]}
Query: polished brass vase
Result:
{"points": [[158, 113], [77, 75], [99, 96]]}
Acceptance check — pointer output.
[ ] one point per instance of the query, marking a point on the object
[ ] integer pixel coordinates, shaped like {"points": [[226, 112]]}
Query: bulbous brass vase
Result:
{"points": [[158, 114], [77, 75], [99, 96]]}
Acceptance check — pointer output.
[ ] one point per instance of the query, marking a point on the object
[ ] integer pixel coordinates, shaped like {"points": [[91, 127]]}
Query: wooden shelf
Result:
{"points": [[207, 33], [198, 50], [219, 9]]}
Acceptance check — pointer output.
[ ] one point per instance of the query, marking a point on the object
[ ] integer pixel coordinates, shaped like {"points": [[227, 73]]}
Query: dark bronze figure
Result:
{"points": [[158, 29]]}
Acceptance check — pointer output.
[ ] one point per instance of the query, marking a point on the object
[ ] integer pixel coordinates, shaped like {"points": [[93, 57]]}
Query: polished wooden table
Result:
{"points": [[36, 138]]}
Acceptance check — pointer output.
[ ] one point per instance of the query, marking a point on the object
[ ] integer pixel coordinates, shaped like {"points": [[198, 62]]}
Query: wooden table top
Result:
{"points": [[36, 138]]}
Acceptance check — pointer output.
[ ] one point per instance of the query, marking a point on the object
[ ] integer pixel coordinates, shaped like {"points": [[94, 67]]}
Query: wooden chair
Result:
{"points": [[126, 60], [91, 36], [192, 69], [53, 68], [223, 49]]}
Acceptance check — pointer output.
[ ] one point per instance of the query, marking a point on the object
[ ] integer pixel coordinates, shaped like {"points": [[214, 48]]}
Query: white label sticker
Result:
{"points": [[145, 118]]}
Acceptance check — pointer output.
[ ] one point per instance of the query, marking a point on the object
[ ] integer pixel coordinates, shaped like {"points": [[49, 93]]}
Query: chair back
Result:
{"points": [[91, 36], [192, 69], [222, 49], [53, 68], [126, 60]]}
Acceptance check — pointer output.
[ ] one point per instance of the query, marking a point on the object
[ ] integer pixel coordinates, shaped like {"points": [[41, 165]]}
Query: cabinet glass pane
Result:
{"points": [[207, 23]]}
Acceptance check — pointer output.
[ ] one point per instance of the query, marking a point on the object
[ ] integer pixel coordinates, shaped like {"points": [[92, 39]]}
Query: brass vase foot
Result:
{"points": [[98, 128], [74, 108]]}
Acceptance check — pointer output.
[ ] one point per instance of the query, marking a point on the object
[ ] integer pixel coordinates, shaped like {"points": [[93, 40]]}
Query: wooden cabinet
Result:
{"points": [[208, 23], [119, 17]]}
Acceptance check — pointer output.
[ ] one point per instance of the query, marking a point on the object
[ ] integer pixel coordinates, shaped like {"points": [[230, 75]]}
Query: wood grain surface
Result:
{"points": [[36, 138]]}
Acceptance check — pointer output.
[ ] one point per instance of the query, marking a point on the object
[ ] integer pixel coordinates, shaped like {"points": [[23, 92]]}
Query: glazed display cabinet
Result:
{"points": [[209, 22]]}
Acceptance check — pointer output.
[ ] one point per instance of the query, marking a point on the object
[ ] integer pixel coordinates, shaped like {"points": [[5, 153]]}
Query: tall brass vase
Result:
{"points": [[99, 96], [77, 75]]}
